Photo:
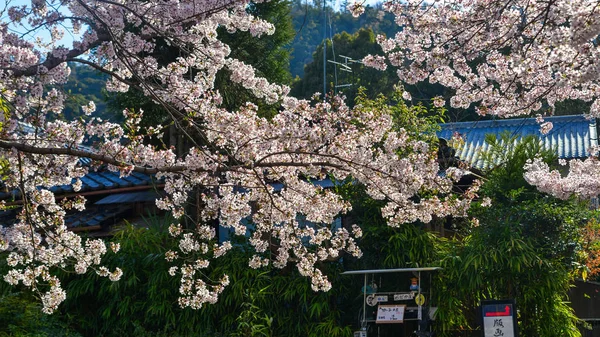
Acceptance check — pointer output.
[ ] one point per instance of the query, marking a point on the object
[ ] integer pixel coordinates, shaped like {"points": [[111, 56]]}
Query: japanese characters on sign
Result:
{"points": [[499, 319], [404, 296], [393, 313]]}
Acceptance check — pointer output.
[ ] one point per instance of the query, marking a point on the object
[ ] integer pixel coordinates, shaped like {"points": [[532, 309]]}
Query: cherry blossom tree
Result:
{"points": [[507, 58], [232, 157]]}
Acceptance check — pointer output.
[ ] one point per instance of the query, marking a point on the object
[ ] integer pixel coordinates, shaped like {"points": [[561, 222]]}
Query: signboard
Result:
{"points": [[382, 298], [392, 313], [499, 318], [404, 296]]}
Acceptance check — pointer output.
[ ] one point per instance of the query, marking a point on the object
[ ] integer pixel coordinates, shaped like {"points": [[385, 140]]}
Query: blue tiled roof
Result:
{"points": [[126, 198], [571, 136], [325, 183], [24, 129], [96, 181]]}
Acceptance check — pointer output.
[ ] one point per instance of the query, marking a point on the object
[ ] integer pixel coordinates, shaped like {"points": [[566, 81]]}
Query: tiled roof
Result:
{"points": [[325, 183], [571, 136], [93, 218], [26, 129], [131, 197], [95, 181]]}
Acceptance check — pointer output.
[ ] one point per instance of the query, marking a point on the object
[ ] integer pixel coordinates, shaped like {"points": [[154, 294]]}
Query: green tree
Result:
{"points": [[84, 85], [269, 302], [21, 315], [269, 54], [144, 303], [308, 22], [356, 46], [419, 121]]}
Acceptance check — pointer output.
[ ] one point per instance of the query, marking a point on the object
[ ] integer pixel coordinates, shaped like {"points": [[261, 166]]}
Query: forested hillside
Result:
{"points": [[348, 80], [85, 84]]}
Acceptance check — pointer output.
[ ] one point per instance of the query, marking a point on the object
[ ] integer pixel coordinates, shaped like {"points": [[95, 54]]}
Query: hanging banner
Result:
{"points": [[499, 318]]}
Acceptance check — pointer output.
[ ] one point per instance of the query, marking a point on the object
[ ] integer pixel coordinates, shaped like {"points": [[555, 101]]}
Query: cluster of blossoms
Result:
{"points": [[507, 58], [39, 241], [356, 8], [583, 178], [234, 167]]}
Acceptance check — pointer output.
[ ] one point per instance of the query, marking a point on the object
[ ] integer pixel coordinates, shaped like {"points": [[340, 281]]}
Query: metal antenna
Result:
{"points": [[345, 65]]}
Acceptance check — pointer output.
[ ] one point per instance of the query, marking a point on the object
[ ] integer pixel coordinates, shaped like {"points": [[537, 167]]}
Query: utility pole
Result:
{"points": [[324, 48]]}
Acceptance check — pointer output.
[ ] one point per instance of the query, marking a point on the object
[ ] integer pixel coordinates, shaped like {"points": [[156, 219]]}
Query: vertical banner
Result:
{"points": [[499, 318]]}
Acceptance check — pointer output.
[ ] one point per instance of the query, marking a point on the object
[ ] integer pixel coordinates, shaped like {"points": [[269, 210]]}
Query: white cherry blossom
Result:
{"points": [[242, 156]]}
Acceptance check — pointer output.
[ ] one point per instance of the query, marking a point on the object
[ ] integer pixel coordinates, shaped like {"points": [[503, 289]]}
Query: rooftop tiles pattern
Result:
{"points": [[571, 136]]}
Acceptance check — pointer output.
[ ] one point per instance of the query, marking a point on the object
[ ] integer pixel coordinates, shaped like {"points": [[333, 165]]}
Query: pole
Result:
{"points": [[364, 321], [420, 312], [324, 49]]}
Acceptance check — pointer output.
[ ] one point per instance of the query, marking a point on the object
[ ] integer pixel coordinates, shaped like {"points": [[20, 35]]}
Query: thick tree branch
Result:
{"points": [[52, 61], [107, 159]]}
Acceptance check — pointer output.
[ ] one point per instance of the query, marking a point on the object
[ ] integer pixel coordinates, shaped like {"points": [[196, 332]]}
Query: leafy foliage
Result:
{"points": [[507, 155], [591, 242], [144, 302], [258, 303], [420, 122], [21, 316]]}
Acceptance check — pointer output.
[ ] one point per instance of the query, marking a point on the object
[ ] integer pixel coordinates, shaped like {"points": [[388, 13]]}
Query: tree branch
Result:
{"points": [[107, 159], [52, 61]]}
